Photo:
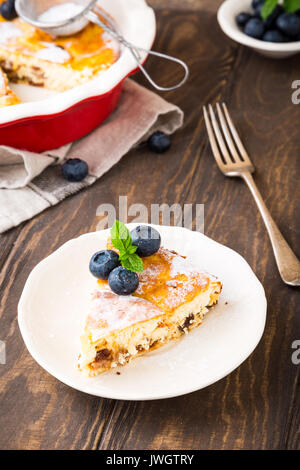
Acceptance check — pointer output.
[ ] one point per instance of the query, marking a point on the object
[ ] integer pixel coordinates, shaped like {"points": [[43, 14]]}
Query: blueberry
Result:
{"points": [[289, 23], [254, 28], [147, 239], [159, 142], [242, 18], [274, 35], [256, 3], [122, 281], [103, 262], [74, 169], [257, 10], [7, 10], [271, 20]]}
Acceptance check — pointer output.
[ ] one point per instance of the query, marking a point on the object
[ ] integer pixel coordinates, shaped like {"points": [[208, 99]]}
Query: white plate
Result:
{"points": [[54, 303]]}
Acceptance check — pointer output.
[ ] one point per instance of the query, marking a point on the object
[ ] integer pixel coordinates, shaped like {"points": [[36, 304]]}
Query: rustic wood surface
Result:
{"points": [[255, 407]]}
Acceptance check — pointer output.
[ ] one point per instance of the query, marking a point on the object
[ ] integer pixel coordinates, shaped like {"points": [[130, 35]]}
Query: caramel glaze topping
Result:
{"points": [[168, 280]]}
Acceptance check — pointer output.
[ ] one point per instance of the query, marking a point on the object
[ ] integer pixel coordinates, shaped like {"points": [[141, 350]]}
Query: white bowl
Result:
{"points": [[226, 18]]}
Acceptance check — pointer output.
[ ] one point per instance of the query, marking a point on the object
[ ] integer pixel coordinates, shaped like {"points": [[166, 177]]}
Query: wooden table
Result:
{"points": [[255, 407]]}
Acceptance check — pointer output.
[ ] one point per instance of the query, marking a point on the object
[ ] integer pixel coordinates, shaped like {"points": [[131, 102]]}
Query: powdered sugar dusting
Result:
{"points": [[182, 266], [111, 312], [53, 53], [60, 12], [8, 31], [170, 280]]}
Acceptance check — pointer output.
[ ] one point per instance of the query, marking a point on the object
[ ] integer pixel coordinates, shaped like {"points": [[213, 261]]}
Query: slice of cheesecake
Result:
{"points": [[172, 298], [32, 56]]}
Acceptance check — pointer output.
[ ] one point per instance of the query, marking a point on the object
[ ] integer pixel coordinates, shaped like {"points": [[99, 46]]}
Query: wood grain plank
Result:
{"points": [[202, 5], [7, 242]]}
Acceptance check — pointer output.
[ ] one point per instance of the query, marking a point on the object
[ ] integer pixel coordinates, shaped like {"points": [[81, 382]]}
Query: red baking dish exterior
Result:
{"points": [[39, 129], [40, 133]]}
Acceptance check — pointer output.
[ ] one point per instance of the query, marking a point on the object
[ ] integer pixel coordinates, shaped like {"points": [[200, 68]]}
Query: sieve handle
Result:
{"points": [[135, 50]]}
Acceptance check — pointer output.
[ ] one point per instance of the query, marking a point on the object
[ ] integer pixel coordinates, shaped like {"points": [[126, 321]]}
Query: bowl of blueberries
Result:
{"points": [[270, 27]]}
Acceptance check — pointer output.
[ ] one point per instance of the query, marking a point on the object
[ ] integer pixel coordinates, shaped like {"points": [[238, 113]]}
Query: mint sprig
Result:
{"points": [[290, 6], [121, 240]]}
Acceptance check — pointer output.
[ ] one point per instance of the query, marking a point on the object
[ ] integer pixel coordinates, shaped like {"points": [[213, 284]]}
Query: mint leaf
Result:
{"points": [[268, 8], [121, 240], [132, 249], [120, 236], [133, 263], [119, 231], [291, 6]]}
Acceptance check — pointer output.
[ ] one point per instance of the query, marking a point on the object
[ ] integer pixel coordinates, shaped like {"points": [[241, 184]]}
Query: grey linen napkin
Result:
{"points": [[32, 182]]}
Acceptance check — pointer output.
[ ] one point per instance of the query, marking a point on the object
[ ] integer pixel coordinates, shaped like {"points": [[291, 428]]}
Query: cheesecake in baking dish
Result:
{"points": [[172, 298], [32, 56]]}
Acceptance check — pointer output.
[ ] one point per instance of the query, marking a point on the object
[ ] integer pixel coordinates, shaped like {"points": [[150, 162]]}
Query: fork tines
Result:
{"points": [[228, 150]]}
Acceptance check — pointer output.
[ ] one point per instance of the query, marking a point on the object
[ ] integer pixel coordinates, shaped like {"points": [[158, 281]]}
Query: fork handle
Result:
{"points": [[287, 262]]}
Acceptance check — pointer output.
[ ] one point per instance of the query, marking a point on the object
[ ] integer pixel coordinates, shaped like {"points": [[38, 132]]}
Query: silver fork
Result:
{"points": [[233, 160]]}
